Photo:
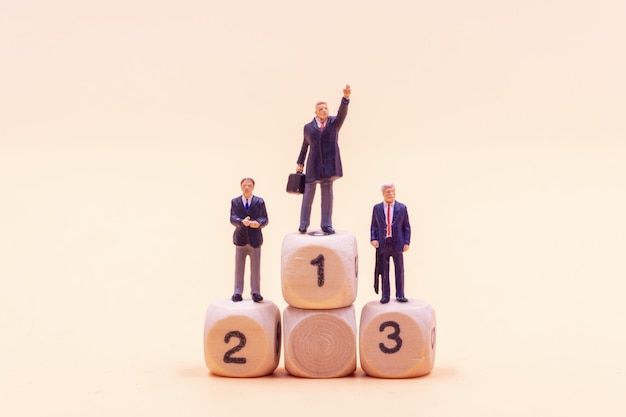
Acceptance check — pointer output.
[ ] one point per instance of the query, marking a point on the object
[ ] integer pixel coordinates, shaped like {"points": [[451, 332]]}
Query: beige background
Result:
{"points": [[125, 127]]}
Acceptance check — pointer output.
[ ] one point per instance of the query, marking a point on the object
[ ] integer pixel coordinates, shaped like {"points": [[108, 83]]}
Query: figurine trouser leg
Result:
{"points": [[307, 203], [398, 265], [241, 252], [384, 270], [327, 203]]}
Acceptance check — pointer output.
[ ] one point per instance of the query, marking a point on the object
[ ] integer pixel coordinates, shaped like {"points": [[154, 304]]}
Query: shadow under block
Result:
{"points": [[319, 271], [320, 343], [397, 340], [242, 339]]}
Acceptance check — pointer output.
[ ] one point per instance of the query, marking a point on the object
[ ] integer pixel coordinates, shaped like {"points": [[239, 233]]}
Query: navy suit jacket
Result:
{"points": [[247, 235], [324, 160], [400, 227]]}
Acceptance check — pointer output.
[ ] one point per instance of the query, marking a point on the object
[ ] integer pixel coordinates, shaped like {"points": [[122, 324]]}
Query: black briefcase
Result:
{"points": [[295, 183]]}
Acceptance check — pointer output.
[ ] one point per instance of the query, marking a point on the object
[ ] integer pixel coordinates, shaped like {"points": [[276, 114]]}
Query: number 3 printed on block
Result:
{"points": [[395, 336]]}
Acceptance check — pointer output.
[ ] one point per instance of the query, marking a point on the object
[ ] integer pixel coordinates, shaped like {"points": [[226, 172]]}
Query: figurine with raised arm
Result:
{"points": [[249, 216], [390, 234], [323, 164]]}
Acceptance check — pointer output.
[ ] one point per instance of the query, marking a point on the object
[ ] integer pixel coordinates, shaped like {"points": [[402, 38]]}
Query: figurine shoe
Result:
{"points": [[384, 300], [257, 298], [402, 299], [328, 230], [236, 297], [302, 230]]}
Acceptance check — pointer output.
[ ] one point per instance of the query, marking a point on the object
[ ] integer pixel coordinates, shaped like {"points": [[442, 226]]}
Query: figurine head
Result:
{"points": [[321, 110], [247, 186], [389, 192]]}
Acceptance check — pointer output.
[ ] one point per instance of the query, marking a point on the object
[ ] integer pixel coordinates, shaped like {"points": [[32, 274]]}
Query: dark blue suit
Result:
{"points": [[248, 240], [391, 247], [324, 160], [323, 164], [246, 235]]}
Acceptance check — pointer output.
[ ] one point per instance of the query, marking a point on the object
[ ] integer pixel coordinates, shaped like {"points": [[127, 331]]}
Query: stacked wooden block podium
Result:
{"points": [[319, 281], [319, 278]]}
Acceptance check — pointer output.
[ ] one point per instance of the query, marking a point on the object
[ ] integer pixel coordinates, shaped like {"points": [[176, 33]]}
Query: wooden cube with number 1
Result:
{"points": [[319, 272]]}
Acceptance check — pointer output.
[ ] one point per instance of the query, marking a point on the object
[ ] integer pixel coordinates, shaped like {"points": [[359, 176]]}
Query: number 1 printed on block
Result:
{"points": [[319, 261]]}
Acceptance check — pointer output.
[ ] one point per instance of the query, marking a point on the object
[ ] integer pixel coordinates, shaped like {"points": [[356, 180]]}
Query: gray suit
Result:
{"points": [[248, 241]]}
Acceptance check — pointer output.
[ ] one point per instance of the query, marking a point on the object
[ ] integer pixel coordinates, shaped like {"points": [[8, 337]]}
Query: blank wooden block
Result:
{"points": [[242, 339], [320, 343], [319, 272], [397, 340]]}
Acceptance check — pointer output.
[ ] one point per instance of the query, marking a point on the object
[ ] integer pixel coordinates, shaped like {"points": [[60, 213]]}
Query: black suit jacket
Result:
{"points": [[400, 227], [247, 235]]}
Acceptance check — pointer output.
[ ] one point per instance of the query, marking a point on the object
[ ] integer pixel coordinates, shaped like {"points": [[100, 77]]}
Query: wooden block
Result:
{"points": [[242, 339], [320, 343], [319, 271], [397, 340]]}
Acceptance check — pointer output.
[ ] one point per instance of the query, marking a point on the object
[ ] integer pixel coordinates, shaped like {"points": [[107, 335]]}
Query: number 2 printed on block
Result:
{"points": [[228, 358]]}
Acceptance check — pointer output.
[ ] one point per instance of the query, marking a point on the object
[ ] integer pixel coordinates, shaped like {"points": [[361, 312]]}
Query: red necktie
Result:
{"points": [[388, 220], [322, 125]]}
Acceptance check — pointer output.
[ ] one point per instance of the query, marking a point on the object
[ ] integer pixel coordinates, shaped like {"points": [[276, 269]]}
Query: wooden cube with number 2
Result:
{"points": [[242, 339]]}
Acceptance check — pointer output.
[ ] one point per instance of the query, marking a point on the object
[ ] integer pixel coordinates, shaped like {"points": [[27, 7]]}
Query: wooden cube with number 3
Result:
{"points": [[397, 340], [242, 339], [319, 271]]}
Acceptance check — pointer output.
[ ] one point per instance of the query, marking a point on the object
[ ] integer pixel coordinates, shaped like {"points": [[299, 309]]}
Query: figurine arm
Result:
{"points": [[235, 219], [343, 107], [262, 220], [347, 91], [374, 230], [407, 231], [302, 155]]}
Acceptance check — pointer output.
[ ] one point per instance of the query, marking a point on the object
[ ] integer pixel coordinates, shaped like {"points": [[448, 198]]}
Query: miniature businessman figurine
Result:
{"points": [[323, 164], [249, 216], [390, 234]]}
